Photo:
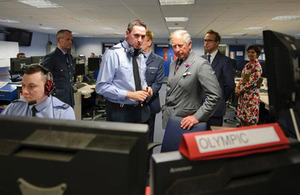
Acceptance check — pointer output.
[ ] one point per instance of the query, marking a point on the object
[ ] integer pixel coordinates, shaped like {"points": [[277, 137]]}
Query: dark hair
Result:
{"points": [[255, 48], [19, 54], [217, 35], [60, 33], [34, 68], [136, 22]]}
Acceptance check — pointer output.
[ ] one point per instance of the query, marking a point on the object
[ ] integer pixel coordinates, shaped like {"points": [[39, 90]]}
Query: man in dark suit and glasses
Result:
{"points": [[222, 66], [154, 78], [60, 63]]}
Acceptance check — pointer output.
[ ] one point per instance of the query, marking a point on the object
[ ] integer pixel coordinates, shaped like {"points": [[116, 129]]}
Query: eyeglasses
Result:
{"points": [[209, 41]]}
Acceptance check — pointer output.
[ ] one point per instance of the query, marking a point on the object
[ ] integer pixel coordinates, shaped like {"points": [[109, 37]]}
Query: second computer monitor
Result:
{"points": [[80, 69], [94, 64], [17, 64]]}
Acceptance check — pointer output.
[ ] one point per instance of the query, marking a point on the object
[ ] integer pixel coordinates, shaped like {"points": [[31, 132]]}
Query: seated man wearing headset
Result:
{"points": [[37, 86]]}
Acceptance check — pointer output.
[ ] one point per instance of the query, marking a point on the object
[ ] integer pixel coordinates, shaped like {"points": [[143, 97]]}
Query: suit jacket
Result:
{"points": [[222, 66], [185, 90], [63, 73], [154, 78]]}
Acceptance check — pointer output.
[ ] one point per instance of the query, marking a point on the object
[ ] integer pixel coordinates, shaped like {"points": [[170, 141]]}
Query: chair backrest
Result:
{"points": [[174, 132]]}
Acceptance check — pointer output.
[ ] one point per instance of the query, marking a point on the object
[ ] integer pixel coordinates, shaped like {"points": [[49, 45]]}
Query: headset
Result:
{"points": [[130, 50], [49, 84]]}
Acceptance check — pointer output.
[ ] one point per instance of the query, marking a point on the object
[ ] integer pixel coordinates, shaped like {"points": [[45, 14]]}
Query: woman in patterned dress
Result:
{"points": [[247, 89]]}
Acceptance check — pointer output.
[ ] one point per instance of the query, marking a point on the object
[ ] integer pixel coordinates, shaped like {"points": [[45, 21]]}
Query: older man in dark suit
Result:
{"points": [[154, 78], [223, 68], [60, 63]]}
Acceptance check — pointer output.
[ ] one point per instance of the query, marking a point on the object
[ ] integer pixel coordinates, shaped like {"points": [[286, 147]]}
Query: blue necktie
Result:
{"points": [[208, 58]]}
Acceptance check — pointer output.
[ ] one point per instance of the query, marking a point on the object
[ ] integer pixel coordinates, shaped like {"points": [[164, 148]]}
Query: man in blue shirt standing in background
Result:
{"points": [[121, 79]]}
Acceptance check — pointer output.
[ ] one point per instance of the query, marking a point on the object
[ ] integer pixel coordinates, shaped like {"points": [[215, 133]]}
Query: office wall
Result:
{"points": [[86, 45]]}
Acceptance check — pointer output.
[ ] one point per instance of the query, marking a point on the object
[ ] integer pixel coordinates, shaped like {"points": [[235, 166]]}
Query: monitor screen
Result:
{"points": [[282, 65], [85, 157], [23, 37], [265, 173], [79, 69], [36, 59], [94, 64], [16, 65]]}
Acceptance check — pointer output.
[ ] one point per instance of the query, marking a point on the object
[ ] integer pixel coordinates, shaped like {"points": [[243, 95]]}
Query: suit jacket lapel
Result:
{"points": [[216, 60], [174, 79]]}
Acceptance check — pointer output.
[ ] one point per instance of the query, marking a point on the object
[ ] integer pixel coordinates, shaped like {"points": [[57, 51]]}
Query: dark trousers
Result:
{"points": [[127, 114], [215, 121], [151, 124]]}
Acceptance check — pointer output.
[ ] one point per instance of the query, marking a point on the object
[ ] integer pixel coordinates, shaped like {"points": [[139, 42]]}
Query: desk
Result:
{"points": [[83, 92]]}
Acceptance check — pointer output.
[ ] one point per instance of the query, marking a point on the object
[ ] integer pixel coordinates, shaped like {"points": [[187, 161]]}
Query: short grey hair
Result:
{"points": [[183, 33]]}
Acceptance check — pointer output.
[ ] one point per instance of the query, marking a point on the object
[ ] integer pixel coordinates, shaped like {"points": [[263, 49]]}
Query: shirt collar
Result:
{"points": [[43, 105], [62, 51], [147, 55], [213, 55]]}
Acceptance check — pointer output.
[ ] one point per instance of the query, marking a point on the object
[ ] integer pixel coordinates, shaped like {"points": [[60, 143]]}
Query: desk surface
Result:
{"points": [[87, 90]]}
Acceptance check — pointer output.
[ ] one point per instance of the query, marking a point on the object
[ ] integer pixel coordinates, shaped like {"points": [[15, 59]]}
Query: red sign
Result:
{"points": [[233, 142]]}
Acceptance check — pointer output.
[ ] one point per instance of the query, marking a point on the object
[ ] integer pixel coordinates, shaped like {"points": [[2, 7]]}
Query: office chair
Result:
{"points": [[174, 132]]}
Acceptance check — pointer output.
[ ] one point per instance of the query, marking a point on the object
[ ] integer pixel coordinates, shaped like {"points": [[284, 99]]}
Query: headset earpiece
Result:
{"points": [[49, 85]]}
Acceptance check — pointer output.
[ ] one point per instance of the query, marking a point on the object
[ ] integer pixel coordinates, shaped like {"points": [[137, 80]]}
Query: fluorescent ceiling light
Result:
{"points": [[46, 28], [40, 3], [227, 37], [177, 19], [85, 19], [176, 28], [176, 2], [298, 34], [283, 18], [239, 34], [6, 20], [106, 28], [255, 28]]}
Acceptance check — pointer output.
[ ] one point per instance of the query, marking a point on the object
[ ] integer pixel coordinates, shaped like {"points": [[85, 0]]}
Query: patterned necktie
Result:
{"points": [[177, 66], [33, 111], [136, 74], [208, 58]]}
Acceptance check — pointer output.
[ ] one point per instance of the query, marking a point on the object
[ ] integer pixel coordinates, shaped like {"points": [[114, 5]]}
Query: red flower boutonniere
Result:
{"points": [[186, 65]]}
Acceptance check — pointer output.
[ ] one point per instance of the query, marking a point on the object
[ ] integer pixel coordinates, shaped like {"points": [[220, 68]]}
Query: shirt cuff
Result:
{"points": [[122, 94]]}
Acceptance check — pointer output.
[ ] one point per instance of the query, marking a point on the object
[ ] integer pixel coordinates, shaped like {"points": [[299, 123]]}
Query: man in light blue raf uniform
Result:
{"points": [[37, 86], [121, 79]]}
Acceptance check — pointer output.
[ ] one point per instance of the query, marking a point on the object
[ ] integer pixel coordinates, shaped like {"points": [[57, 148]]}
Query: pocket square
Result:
{"points": [[186, 74]]}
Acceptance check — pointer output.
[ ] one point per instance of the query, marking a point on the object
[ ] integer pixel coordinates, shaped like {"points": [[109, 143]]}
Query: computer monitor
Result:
{"points": [[16, 65], [264, 174], [36, 59], [85, 157], [94, 64], [282, 52], [79, 69], [282, 63]]}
